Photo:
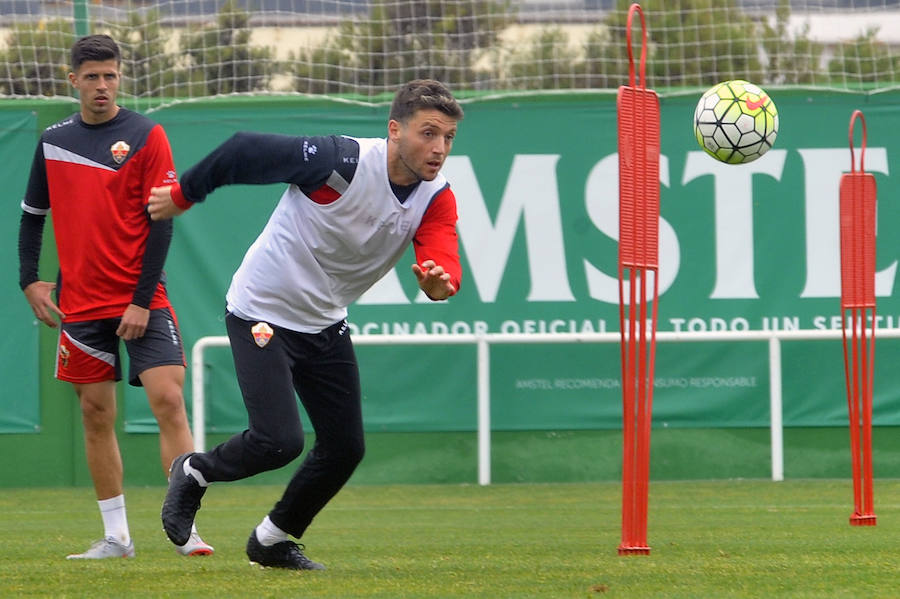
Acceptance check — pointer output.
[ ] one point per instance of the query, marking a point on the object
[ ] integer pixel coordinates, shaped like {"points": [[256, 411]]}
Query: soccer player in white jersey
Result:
{"points": [[351, 209]]}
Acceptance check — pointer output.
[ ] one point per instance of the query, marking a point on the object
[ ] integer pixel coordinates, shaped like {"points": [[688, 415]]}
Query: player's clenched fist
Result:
{"points": [[160, 205]]}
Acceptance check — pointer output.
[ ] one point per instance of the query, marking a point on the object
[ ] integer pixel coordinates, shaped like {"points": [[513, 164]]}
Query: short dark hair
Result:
{"points": [[95, 47], [423, 94]]}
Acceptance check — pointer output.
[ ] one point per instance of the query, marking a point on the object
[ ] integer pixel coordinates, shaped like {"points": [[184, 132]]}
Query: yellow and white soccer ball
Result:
{"points": [[736, 122]]}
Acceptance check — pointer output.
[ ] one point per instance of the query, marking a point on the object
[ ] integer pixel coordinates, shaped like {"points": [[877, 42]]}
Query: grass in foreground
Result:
{"points": [[708, 539]]}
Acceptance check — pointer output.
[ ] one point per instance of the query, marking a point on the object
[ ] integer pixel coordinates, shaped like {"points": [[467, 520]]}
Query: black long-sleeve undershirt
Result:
{"points": [[31, 230], [155, 253]]}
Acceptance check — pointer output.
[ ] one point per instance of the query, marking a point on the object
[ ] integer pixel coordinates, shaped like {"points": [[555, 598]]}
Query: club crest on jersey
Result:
{"points": [[262, 333], [119, 151]]}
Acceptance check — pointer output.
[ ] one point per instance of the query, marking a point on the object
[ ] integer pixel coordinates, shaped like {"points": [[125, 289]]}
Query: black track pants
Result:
{"points": [[322, 369]]}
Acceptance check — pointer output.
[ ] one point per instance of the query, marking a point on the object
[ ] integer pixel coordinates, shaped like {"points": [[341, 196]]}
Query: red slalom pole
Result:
{"points": [[857, 214], [639, 139]]}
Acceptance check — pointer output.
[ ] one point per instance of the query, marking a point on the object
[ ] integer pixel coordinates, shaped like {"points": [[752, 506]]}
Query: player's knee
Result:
{"points": [[356, 450], [281, 449], [97, 416], [98, 411], [347, 455], [290, 448], [168, 406]]}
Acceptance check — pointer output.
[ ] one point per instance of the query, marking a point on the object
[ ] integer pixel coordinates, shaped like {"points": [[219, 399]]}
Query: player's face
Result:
{"points": [[419, 146], [97, 82]]}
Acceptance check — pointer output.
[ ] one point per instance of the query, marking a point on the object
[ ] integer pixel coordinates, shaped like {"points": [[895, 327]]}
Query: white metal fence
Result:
{"points": [[484, 341]]}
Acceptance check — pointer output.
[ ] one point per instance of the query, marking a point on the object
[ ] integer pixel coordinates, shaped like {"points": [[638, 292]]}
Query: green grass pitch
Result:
{"points": [[709, 539]]}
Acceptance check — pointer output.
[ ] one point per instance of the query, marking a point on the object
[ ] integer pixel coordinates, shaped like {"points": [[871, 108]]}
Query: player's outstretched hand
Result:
{"points": [[39, 298], [160, 204], [433, 280]]}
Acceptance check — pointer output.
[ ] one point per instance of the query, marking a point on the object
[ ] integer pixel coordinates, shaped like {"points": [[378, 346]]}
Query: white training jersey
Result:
{"points": [[314, 259]]}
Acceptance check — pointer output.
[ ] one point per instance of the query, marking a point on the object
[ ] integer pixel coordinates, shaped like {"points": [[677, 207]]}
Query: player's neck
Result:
{"points": [[94, 118]]}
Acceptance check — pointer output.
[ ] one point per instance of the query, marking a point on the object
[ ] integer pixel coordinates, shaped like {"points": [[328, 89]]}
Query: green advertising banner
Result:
{"points": [[751, 247], [19, 403]]}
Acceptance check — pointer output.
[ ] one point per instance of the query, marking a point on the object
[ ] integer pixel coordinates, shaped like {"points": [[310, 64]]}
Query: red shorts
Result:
{"points": [[88, 351]]}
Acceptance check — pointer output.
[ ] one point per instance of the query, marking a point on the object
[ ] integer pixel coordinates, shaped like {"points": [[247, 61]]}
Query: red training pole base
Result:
{"points": [[623, 550], [862, 520]]}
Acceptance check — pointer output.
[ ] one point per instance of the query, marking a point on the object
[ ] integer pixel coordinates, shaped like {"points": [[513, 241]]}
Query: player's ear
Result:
{"points": [[394, 130]]}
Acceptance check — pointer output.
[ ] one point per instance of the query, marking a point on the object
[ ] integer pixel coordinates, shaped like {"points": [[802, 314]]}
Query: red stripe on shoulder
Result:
{"points": [[324, 195]]}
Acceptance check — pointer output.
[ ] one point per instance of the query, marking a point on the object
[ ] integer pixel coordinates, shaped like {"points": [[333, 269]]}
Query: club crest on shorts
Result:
{"points": [[64, 355], [262, 333], [119, 151]]}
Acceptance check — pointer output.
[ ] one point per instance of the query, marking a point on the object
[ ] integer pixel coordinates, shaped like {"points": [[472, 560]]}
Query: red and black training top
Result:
{"points": [[96, 179]]}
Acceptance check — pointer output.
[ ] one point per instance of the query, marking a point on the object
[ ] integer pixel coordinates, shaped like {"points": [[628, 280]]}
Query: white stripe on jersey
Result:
{"points": [[52, 152]]}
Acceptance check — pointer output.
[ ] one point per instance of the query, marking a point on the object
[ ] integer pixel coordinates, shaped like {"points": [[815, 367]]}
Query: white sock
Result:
{"points": [[115, 521], [188, 469], [269, 534]]}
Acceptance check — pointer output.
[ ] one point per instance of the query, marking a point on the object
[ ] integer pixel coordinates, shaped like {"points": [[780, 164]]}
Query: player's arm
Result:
{"points": [[254, 159], [158, 168], [39, 294], [35, 207], [137, 314], [436, 245]]}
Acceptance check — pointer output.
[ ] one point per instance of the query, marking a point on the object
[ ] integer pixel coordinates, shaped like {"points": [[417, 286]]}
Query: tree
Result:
{"points": [[691, 42], [792, 59], [545, 62], [37, 59], [221, 57], [148, 70], [400, 41], [605, 64], [863, 61]]}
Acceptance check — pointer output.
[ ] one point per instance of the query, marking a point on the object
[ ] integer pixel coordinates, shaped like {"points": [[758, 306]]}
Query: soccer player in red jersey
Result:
{"points": [[94, 170]]}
